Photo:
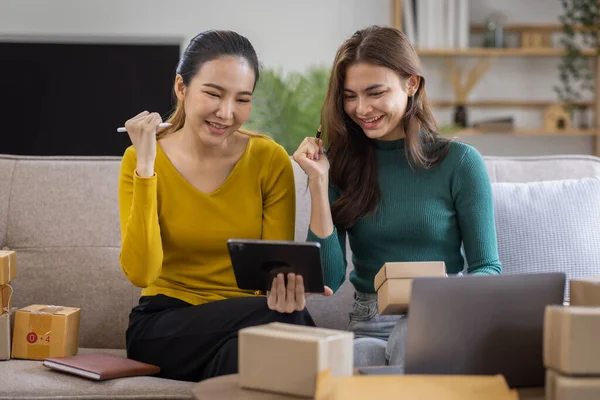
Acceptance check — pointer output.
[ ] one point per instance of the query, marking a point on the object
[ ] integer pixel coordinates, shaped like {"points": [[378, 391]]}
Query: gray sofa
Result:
{"points": [[61, 217]]}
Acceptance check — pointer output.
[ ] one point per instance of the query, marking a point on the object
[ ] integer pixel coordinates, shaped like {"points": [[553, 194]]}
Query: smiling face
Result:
{"points": [[375, 97], [218, 99]]}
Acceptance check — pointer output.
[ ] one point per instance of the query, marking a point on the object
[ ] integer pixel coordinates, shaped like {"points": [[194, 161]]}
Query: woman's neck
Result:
{"points": [[396, 134]]}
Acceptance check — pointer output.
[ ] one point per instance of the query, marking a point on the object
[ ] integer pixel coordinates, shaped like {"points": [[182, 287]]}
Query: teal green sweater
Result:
{"points": [[424, 215]]}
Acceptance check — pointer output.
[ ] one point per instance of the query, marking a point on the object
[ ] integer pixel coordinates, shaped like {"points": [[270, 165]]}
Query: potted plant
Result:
{"points": [[287, 106], [581, 27]]}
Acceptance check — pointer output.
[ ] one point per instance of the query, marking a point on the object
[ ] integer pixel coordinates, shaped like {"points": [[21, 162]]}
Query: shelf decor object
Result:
{"points": [[578, 73]]}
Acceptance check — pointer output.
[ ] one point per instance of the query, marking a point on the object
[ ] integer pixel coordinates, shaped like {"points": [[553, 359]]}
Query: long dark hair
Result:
{"points": [[205, 47], [350, 152]]}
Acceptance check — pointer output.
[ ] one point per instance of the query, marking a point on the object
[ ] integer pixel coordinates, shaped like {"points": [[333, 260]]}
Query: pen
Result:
{"points": [[163, 125], [318, 137]]}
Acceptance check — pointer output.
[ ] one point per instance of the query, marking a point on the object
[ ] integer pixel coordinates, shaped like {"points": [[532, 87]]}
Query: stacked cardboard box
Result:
{"points": [[393, 283], [288, 359], [35, 332], [572, 344], [8, 271], [585, 292]]}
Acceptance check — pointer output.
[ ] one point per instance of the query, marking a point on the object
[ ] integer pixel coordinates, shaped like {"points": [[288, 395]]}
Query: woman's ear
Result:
{"points": [[412, 85], [179, 87]]}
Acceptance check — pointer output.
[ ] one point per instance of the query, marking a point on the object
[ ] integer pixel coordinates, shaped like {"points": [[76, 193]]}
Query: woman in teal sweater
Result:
{"points": [[391, 183]]}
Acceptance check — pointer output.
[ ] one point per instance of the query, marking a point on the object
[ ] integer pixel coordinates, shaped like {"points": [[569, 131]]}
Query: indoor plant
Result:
{"points": [[287, 106], [581, 26]]}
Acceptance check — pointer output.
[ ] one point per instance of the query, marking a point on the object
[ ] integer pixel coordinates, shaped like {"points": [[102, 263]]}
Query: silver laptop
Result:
{"points": [[477, 325]]}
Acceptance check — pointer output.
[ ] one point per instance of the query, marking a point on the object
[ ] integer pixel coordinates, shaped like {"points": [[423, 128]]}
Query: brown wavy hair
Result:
{"points": [[350, 152]]}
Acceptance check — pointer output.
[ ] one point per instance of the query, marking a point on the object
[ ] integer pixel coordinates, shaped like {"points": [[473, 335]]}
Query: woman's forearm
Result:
{"points": [[321, 222]]}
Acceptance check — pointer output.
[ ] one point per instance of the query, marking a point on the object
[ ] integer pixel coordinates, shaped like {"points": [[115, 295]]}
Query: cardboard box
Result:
{"points": [[393, 296], [422, 387], [585, 291], [287, 359], [6, 324], [572, 340], [43, 331], [5, 298], [8, 266], [560, 387], [393, 283]]}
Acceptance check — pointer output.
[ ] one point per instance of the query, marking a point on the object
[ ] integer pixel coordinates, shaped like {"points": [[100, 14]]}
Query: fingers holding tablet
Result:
{"points": [[287, 296]]}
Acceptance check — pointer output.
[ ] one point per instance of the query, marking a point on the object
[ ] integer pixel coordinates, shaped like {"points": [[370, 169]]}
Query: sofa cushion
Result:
{"points": [[24, 379], [63, 222], [7, 168], [549, 226], [541, 168], [86, 277]]}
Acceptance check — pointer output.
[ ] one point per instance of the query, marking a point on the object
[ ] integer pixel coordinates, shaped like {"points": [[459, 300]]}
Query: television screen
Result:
{"points": [[70, 98]]}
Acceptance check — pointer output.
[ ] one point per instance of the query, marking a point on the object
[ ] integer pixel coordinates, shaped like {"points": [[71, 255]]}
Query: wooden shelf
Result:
{"points": [[503, 104], [529, 35], [525, 132], [518, 28], [493, 52]]}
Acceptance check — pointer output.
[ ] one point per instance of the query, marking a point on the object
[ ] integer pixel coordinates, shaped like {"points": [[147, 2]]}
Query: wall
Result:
{"points": [[290, 34], [294, 35]]}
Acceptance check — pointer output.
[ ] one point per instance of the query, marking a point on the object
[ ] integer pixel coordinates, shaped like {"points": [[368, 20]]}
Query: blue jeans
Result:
{"points": [[379, 339]]}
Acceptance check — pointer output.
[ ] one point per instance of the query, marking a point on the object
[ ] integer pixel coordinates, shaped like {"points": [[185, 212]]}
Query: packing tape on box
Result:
{"points": [[8, 256], [9, 267], [40, 332], [8, 302]]}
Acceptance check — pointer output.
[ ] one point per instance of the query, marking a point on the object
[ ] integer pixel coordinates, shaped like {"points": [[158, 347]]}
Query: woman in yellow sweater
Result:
{"points": [[183, 192]]}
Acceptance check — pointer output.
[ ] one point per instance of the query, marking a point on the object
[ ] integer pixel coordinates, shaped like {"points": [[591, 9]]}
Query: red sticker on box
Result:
{"points": [[32, 337]]}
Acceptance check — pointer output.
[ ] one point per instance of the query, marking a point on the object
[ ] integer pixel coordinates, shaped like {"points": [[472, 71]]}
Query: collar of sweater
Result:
{"points": [[389, 144]]}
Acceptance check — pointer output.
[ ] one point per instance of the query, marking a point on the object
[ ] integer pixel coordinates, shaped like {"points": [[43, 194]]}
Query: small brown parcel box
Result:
{"points": [[585, 291], [43, 331], [8, 266], [415, 386], [393, 283], [572, 340], [6, 324], [561, 387], [285, 358]]}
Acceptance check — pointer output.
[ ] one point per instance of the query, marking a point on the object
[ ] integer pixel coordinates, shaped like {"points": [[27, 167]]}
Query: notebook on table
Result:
{"points": [[100, 366]]}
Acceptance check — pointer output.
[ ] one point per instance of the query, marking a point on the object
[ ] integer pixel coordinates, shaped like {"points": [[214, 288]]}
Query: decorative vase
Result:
{"points": [[460, 116]]}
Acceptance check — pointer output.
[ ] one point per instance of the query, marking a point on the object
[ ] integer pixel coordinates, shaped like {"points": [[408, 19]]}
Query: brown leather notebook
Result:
{"points": [[100, 366]]}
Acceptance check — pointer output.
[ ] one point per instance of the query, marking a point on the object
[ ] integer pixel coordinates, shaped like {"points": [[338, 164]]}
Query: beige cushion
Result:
{"points": [[86, 277], [541, 168], [6, 173], [63, 222], [23, 379]]}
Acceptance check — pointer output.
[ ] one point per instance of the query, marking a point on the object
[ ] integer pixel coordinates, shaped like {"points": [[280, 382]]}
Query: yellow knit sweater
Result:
{"points": [[174, 237]]}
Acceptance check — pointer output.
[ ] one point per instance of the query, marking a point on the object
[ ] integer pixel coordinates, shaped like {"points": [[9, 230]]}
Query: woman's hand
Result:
{"points": [[291, 298], [311, 158], [142, 131]]}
